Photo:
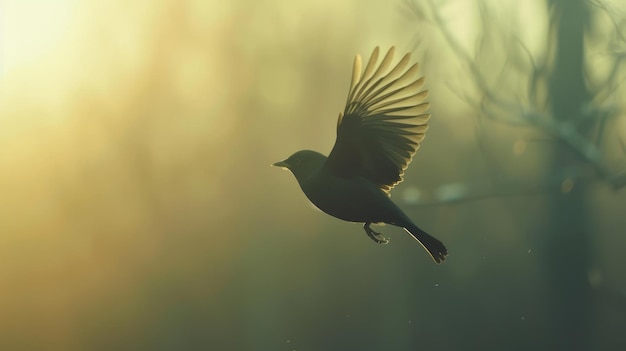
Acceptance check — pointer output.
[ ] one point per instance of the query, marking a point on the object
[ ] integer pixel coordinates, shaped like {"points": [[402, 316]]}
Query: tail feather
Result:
{"points": [[435, 248]]}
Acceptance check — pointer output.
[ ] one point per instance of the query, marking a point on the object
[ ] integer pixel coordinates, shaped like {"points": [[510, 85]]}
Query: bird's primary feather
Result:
{"points": [[383, 122]]}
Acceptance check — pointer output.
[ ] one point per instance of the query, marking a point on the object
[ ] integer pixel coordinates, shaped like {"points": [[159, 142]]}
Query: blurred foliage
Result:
{"points": [[139, 210]]}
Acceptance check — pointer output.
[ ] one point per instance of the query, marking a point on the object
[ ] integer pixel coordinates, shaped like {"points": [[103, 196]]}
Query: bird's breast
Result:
{"points": [[349, 199]]}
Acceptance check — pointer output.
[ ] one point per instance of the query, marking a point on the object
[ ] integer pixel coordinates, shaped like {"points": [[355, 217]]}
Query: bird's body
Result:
{"points": [[352, 199], [372, 150]]}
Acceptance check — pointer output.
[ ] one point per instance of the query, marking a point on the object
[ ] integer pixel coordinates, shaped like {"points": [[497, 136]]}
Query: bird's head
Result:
{"points": [[303, 163]]}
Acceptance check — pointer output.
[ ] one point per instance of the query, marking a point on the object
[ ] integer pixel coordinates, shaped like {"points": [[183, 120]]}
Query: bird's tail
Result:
{"points": [[435, 248]]}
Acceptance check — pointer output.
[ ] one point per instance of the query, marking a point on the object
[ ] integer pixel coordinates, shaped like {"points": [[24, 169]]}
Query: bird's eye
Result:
{"points": [[296, 161]]}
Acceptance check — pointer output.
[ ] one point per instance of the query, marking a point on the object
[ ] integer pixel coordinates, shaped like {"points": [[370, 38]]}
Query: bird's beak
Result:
{"points": [[281, 164]]}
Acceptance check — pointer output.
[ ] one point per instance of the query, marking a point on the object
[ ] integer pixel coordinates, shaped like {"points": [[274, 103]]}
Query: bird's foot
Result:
{"points": [[377, 237]]}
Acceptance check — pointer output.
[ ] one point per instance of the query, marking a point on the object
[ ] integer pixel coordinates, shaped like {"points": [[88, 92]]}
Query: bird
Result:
{"points": [[378, 132]]}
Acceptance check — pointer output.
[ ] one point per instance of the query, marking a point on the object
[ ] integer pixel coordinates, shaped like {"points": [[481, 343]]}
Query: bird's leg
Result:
{"points": [[377, 237]]}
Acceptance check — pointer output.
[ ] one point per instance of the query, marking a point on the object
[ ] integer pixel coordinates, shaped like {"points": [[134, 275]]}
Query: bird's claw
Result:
{"points": [[376, 236]]}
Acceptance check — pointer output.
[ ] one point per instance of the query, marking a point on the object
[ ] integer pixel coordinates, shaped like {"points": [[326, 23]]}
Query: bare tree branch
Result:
{"points": [[494, 101]]}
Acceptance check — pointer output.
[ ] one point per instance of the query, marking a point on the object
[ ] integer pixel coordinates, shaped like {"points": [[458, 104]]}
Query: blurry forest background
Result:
{"points": [[138, 209]]}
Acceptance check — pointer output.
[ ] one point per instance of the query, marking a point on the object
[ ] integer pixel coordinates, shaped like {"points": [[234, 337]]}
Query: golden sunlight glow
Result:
{"points": [[32, 30]]}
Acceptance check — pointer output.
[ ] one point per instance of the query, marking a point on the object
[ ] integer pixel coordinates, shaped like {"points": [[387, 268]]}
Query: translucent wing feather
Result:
{"points": [[383, 122]]}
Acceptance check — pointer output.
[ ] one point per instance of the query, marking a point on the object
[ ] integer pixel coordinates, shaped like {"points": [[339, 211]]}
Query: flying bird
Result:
{"points": [[378, 133]]}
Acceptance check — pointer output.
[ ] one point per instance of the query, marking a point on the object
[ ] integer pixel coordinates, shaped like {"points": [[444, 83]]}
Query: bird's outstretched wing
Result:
{"points": [[383, 123]]}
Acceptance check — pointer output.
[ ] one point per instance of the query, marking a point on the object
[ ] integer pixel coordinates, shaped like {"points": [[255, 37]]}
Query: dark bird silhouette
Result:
{"points": [[378, 133]]}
